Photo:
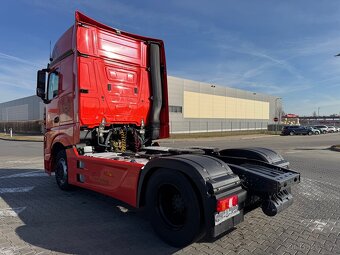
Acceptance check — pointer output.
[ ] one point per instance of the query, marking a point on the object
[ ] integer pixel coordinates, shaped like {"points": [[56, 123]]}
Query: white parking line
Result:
{"points": [[29, 174], [19, 161], [322, 225], [15, 190], [9, 250], [11, 212]]}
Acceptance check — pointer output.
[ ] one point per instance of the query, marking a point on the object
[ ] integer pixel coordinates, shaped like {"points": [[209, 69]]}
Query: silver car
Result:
{"points": [[331, 129], [323, 129], [315, 131]]}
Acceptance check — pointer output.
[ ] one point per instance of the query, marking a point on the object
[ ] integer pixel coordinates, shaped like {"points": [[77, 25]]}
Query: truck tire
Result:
{"points": [[61, 171], [173, 207]]}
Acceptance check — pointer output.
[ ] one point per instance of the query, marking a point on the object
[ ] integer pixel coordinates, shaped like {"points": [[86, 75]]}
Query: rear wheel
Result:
{"points": [[173, 207], [291, 133], [61, 171], [310, 133]]}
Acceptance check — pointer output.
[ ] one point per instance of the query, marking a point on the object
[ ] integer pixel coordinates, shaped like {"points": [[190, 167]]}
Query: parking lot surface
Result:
{"points": [[38, 218]]}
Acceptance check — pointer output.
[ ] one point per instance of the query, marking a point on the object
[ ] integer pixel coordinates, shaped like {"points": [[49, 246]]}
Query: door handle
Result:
{"points": [[56, 119]]}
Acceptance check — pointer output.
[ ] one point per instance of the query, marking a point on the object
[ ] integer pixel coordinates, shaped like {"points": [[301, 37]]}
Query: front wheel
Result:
{"points": [[310, 133], [61, 171], [173, 207], [291, 133]]}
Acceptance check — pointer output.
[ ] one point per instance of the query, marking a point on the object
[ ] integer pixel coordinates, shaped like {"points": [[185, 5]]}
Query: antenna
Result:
{"points": [[50, 52]]}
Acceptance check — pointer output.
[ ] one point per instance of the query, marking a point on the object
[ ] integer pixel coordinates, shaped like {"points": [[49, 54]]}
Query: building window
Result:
{"points": [[173, 108]]}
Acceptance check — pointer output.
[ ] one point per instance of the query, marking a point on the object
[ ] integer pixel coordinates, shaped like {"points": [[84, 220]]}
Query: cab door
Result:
{"points": [[52, 110], [66, 95]]}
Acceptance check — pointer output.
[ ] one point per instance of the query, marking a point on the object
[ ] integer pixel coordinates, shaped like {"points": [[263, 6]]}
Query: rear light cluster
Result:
{"points": [[226, 203]]}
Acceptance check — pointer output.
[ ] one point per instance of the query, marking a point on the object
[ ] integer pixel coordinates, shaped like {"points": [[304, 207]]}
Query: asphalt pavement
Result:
{"points": [[38, 218]]}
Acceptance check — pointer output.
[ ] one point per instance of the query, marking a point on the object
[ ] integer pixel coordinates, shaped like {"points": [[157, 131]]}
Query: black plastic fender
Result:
{"points": [[258, 153], [211, 179]]}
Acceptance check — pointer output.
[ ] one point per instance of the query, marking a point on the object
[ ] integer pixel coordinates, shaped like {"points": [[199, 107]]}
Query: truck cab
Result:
{"points": [[99, 78]]}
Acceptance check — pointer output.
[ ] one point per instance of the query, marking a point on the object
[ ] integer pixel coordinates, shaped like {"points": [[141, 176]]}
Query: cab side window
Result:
{"points": [[53, 85]]}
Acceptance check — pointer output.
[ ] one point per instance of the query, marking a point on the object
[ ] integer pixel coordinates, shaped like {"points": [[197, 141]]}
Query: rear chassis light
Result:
{"points": [[226, 203]]}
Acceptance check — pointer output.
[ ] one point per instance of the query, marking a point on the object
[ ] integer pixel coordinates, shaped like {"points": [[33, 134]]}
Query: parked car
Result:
{"points": [[289, 130], [315, 131], [323, 129], [332, 129], [298, 130]]}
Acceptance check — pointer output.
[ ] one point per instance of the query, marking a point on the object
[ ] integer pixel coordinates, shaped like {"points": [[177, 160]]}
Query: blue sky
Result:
{"points": [[283, 48]]}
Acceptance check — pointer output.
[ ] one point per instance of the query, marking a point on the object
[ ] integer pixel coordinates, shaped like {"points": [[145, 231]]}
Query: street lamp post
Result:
{"points": [[213, 110], [319, 111], [276, 126], [254, 124]]}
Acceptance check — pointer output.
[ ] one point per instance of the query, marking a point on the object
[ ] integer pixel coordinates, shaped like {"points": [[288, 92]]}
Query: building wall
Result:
{"points": [[27, 108], [194, 107], [203, 107]]}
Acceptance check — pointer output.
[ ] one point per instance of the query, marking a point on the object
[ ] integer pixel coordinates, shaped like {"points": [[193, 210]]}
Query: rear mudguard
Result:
{"points": [[258, 153], [211, 179]]}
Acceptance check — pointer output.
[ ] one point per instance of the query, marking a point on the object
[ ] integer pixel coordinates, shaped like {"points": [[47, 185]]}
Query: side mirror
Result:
{"points": [[41, 84]]}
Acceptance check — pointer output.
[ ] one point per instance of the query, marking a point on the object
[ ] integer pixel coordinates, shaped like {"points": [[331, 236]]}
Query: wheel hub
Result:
{"points": [[172, 206], [178, 204]]}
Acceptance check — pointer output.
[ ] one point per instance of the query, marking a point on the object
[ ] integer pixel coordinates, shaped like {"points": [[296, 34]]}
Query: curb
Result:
{"points": [[335, 148], [257, 137], [17, 140], [214, 138]]}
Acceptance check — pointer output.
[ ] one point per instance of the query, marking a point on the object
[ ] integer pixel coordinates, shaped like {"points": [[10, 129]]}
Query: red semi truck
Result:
{"points": [[106, 100]]}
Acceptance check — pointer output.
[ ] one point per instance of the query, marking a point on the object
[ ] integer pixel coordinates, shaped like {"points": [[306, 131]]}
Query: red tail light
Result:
{"points": [[226, 203]]}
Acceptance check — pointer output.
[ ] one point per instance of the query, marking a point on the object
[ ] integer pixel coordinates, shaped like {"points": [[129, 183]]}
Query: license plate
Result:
{"points": [[227, 214]]}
